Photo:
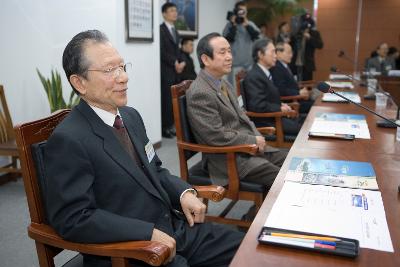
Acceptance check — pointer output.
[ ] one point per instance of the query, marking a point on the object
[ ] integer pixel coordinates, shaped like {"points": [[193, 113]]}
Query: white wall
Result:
{"points": [[35, 33]]}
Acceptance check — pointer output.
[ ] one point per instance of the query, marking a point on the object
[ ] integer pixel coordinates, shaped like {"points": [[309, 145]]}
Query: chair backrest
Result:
{"points": [[6, 125], [183, 130], [30, 139], [239, 77]]}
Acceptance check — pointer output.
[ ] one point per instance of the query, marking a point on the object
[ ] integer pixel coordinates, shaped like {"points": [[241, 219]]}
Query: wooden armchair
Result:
{"points": [[8, 146], [188, 147], [31, 138]]}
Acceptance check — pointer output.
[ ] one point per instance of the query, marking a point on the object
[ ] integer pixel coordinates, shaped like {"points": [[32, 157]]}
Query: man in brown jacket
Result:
{"points": [[217, 120]]}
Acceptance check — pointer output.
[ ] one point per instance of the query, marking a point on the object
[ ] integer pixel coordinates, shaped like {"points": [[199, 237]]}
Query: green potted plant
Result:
{"points": [[54, 91], [265, 11]]}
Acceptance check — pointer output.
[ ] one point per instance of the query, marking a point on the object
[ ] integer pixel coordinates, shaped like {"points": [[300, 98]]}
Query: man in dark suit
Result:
{"points": [[217, 120], [261, 94], [283, 77], [107, 183], [188, 72], [171, 65]]}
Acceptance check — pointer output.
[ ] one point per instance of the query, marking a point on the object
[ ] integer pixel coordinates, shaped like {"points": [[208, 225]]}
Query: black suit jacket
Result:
{"points": [[188, 72], [284, 80], [261, 95], [97, 193], [170, 53]]}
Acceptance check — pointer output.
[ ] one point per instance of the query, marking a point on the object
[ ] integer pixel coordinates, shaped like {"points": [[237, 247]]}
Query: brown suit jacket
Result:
{"points": [[217, 121]]}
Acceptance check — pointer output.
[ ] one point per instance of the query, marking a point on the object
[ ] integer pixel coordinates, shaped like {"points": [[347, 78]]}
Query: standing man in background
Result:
{"points": [[240, 33], [188, 72], [304, 43], [171, 65]]}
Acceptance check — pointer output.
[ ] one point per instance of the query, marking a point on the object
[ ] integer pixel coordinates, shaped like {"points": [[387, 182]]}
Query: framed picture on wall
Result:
{"points": [[187, 23], [139, 20]]}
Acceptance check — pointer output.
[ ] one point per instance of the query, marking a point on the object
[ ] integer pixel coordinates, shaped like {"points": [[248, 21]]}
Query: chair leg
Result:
{"points": [[45, 255], [258, 200], [120, 262], [205, 202]]}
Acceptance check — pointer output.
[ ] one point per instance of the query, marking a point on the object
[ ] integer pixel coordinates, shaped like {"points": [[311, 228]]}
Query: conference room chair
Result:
{"points": [[279, 139], [197, 175], [8, 147], [31, 139]]}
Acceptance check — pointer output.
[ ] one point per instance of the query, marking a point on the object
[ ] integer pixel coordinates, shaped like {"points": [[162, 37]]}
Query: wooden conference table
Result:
{"points": [[381, 150]]}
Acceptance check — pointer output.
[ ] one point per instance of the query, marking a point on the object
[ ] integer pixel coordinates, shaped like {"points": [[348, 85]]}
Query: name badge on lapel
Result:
{"points": [[240, 101], [149, 151]]}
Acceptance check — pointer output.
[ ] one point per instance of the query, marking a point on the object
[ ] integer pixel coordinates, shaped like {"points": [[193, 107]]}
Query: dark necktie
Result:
{"points": [[125, 140], [173, 32]]}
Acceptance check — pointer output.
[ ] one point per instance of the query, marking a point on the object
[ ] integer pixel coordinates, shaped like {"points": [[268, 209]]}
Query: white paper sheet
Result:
{"points": [[340, 84], [334, 98], [344, 124], [342, 212]]}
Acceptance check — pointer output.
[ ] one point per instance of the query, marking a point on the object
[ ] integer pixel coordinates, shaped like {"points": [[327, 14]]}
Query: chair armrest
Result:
{"points": [[249, 149], [267, 130], [151, 252], [215, 193], [271, 114], [293, 98]]}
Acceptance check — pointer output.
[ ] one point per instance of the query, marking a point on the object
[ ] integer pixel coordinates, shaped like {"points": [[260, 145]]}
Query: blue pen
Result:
{"points": [[325, 242]]}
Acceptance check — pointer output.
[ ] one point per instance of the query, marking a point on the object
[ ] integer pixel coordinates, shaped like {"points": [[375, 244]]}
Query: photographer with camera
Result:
{"points": [[240, 33], [304, 42]]}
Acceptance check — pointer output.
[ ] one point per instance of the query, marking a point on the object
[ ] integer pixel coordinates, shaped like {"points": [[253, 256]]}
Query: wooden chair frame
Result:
{"points": [[48, 242], [233, 191], [8, 146]]}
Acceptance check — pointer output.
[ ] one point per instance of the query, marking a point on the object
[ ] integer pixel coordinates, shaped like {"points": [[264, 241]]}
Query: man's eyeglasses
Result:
{"points": [[115, 72]]}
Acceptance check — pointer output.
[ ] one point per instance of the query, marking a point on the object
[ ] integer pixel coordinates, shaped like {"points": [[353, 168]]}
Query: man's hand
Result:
{"points": [[233, 20], [306, 34], [305, 92], [285, 107], [260, 141], [179, 66], [193, 208], [165, 239]]}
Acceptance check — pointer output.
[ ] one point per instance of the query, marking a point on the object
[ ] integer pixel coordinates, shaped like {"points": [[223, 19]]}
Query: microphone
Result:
{"points": [[326, 88], [343, 55]]}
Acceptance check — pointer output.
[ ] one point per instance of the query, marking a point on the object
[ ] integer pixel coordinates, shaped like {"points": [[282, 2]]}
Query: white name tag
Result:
{"points": [[240, 101], [149, 151]]}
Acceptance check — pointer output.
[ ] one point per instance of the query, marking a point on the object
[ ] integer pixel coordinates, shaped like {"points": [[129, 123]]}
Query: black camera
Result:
{"points": [[239, 13]]}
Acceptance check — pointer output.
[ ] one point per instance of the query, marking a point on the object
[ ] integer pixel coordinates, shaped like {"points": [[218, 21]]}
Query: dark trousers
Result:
{"points": [[265, 174], [167, 117], [205, 244]]}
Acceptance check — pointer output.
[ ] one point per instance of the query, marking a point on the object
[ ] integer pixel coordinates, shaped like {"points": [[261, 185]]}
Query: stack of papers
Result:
{"points": [[333, 76], [335, 123], [326, 210], [340, 84], [342, 173], [328, 97]]}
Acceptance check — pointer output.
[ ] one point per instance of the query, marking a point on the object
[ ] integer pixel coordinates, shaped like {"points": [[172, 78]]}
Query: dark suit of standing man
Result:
{"points": [[107, 183], [171, 66], [217, 120], [261, 94]]}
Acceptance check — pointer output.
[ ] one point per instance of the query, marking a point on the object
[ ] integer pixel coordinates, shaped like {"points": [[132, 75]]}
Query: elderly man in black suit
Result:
{"points": [[172, 65], [260, 92], [283, 77], [107, 183]]}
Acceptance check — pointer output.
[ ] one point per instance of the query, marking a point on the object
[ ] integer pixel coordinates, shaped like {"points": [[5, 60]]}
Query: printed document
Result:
{"points": [[336, 211]]}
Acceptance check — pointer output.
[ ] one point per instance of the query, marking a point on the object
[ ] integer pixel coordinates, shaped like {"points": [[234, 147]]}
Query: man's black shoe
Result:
{"points": [[166, 134], [172, 131]]}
